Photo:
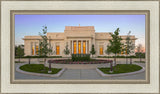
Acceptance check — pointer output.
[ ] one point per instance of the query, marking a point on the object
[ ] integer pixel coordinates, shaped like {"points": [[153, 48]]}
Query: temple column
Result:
{"points": [[35, 48], [98, 49], [72, 46], [81, 46], [86, 46], [89, 45], [69, 44], [77, 46]]}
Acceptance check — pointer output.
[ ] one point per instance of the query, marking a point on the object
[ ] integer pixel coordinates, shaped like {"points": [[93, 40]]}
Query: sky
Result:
{"points": [[26, 25]]}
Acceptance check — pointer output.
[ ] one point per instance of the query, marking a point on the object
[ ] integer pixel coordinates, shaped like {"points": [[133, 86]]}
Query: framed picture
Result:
{"points": [[80, 47]]}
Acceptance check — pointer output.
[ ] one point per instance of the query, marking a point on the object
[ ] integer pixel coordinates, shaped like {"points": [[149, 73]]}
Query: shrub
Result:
{"points": [[139, 54]]}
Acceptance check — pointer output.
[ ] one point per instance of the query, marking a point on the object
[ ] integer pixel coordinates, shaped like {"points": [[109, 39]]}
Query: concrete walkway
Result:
{"points": [[77, 74]]}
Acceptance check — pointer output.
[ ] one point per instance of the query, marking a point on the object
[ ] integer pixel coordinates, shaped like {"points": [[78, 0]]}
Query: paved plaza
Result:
{"points": [[81, 73]]}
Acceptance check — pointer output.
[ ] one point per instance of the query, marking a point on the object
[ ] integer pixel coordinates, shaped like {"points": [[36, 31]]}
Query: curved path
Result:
{"points": [[80, 74]]}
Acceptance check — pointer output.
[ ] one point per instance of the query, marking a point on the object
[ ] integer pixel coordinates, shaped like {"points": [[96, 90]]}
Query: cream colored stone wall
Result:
{"points": [[53, 35], [101, 42], [73, 33], [28, 46], [54, 43], [79, 31]]}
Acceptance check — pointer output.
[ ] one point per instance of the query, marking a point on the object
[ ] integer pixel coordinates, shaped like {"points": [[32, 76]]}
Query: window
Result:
{"points": [[121, 52], [84, 47], [75, 47], [36, 49], [57, 50], [79, 47], [101, 50], [32, 50]]}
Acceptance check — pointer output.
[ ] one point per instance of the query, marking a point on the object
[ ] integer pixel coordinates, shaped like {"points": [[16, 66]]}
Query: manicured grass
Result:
{"points": [[19, 62], [38, 68], [39, 57], [119, 57], [139, 61], [121, 68]]}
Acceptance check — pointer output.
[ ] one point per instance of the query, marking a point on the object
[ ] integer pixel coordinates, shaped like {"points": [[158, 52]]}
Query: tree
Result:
{"points": [[66, 50], [115, 43], [123, 51], [139, 51], [16, 47], [44, 46], [129, 46], [107, 51], [20, 51], [92, 50]]}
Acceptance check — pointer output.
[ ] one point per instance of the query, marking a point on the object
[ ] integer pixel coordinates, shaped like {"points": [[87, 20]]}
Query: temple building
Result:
{"points": [[78, 38]]}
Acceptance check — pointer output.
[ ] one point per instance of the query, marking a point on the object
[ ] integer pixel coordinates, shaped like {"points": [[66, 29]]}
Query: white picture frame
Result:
{"points": [[7, 87]]}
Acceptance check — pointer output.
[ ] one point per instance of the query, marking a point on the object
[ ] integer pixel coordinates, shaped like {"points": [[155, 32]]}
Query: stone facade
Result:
{"points": [[78, 38]]}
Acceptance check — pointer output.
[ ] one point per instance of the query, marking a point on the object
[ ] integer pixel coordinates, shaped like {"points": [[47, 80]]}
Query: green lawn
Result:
{"points": [[38, 68], [139, 61], [121, 68]]}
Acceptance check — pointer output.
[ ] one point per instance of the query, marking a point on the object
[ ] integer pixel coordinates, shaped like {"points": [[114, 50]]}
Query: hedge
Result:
{"points": [[80, 57]]}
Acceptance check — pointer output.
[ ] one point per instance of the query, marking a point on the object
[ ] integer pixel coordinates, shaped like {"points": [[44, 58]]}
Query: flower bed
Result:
{"points": [[79, 62]]}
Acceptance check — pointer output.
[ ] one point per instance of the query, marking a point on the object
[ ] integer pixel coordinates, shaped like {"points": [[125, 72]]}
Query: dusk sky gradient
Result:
{"points": [[26, 25]]}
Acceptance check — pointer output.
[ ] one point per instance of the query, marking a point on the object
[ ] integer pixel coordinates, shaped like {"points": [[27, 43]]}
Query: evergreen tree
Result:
{"points": [[44, 46], [129, 46], [115, 43], [107, 51], [92, 50], [66, 50]]}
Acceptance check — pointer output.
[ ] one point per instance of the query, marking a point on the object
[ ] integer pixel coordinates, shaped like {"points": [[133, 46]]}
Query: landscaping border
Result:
{"points": [[40, 74], [120, 74]]}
